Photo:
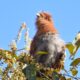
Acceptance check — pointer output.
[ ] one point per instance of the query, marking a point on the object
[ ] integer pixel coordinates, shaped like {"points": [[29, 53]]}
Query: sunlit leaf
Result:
{"points": [[68, 79], [75, 62], [42, 52], [0, 71], [49, 71], [70, 47], [76, 43], [77, 38], [62, 78], [8, 55], [40, 78], [74, 72], [75, 49]]}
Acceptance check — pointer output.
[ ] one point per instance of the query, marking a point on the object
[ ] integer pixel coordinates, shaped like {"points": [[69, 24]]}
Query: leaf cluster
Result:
{"points": [[23, 66]]}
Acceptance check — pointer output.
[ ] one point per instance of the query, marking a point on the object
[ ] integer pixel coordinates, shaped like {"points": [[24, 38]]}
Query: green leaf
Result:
{"points": [[75, 62], [68, 79], [75, 49], [76, 43], [74, 71], [30, 72], [0, 71], [42, 52], [62, 78], [70, 47], [77, 39], [55, 76]]}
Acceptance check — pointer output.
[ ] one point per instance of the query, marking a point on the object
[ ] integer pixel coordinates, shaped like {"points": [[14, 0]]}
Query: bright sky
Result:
{"points": [[66, 15]]}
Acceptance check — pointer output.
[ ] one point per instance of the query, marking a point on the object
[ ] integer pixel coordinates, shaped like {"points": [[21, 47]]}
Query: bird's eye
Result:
{"points": [[47, 18]]}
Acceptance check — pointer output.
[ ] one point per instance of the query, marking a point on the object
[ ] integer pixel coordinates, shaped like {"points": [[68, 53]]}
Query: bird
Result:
{"points": [[47, 39]]}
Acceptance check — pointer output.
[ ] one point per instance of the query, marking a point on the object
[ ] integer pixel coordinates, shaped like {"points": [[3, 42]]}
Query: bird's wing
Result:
{"points": [[33, 45]]}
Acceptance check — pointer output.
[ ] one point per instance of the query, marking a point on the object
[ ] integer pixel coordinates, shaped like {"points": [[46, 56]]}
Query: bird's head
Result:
{"points": [[43, 19], [44, 15]]}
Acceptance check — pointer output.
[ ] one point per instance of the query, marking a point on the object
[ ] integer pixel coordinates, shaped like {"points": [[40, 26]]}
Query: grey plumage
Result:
{"points": [[53, 45]]}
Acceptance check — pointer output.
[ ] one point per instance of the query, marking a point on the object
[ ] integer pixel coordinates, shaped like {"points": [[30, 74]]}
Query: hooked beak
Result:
{"points": [[38, 14]]}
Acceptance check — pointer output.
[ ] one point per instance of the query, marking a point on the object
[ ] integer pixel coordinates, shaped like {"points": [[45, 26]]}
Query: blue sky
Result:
{"points": [[66, 15]]}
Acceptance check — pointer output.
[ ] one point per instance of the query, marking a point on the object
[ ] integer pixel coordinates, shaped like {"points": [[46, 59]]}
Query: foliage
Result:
{"points": [[21, 66]]}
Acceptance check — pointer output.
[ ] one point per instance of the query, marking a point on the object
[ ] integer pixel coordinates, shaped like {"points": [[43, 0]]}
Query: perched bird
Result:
{"points": [[47, 40]]}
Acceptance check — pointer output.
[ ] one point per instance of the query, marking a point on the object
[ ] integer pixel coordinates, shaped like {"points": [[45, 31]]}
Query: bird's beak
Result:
{"points": [[38, 14]]}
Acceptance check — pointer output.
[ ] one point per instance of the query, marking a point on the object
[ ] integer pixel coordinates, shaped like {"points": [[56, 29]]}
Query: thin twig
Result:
{"points": [[77, 78], [20, 49], [44, 75]]}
